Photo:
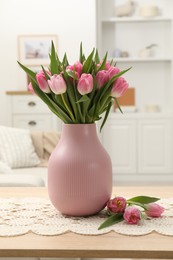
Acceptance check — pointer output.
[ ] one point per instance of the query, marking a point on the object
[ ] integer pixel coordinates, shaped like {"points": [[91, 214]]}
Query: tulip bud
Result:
{"points": [[112, 72], [117, 205], [119, 87], [30, 88], [85, 84], [107, 66], [132, 215], [101, 78], [154, 210], [42, 82], [57, 84], [77, 68]]}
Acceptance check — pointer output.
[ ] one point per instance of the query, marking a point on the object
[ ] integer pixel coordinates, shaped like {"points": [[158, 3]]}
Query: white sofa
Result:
{"points": [[24, 156]]}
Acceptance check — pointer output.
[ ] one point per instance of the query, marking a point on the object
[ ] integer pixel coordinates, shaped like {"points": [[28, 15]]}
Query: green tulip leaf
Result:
{"points": [[45, 73], [103, 65], [53, 60], [143, 199], [72, 74], [81, 55], [96, 58], [65, 60], [117, 103], [113, 219], [88, 63], [106, 115], [84, 98], [30, 73], [70, 93]]}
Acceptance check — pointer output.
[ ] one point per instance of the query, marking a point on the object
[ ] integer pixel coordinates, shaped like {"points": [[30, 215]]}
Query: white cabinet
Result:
{"points": [[29, 111], [119, 139], [140, 147], [154, 146]]}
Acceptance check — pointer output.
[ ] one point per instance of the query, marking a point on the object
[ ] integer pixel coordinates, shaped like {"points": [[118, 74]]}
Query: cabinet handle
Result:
{"points": [[31, 104], [32, 123]]}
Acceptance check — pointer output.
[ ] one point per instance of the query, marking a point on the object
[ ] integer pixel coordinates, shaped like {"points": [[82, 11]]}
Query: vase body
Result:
{"points": [[79, 172]]}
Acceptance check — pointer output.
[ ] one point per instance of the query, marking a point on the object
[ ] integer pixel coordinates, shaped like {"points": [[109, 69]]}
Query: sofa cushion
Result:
{"points": [[44, 143], [16, 148]]}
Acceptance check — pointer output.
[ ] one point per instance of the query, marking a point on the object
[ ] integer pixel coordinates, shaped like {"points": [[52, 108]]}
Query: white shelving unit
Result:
{"points": [[153, 82], [150, 76], [135, 19]]}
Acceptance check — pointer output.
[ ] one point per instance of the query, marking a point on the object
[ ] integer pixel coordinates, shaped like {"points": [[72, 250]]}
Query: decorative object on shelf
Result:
{"points": [[79, 170], [152, 108], [117, 53], [119, 209], [126, 9], [124, 54], [147, 52], [149, 11]]}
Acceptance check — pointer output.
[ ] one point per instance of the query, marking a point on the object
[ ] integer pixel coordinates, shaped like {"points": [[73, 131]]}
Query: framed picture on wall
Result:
{"points": [[33, 50]]}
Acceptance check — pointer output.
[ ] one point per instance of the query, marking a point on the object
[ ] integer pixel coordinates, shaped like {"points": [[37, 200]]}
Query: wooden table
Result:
{"points": [[110, 245]]}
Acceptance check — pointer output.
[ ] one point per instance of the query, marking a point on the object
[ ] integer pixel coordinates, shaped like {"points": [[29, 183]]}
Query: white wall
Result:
{"points": [[72, 21]]}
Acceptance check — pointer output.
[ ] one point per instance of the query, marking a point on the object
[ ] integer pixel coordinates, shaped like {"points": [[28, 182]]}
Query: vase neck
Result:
{"points": [[79, 131]]}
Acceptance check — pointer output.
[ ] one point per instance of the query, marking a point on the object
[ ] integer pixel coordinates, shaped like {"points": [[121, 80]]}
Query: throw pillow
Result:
{"points": [[4, 168], [16, 148]]}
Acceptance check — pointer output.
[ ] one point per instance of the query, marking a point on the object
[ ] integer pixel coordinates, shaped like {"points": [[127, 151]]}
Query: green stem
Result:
{"points": [[80, 113], [78, 106], [70, 113], [137, 204]]}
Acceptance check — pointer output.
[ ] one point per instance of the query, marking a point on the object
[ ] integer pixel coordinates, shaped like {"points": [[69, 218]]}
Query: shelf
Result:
{"points": [[136, 19], [136, 59], [140, 115]]}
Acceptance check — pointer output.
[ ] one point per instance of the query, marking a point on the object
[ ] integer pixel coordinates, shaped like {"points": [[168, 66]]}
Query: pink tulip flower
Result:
{"points": [[30, 88], [101, 78], [106, 67], [117, 205], [112, 72], [132, 215], [42, 82], [57, 84], [119, 87], [154, 210], [85, 84], [77, 67]]}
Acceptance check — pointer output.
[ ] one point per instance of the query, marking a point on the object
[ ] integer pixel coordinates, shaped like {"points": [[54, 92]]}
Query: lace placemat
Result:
{"points": [[37, 215]]}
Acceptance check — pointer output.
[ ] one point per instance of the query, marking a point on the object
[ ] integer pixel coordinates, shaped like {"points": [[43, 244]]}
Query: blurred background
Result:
{"points": [[137, 34]]}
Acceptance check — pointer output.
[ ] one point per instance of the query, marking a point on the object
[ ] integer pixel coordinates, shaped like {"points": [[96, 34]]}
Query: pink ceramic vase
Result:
{"points": [[79, 172]]}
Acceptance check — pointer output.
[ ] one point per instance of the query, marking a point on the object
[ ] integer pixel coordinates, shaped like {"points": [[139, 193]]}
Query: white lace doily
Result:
{"points": [[37, 215]]}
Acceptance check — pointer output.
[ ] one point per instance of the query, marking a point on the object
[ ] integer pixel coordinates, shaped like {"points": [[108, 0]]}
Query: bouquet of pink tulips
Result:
{"points": [[78, 93]]}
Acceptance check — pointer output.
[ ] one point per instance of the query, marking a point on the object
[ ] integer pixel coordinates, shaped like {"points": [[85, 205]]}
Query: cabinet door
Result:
{"points": [[119, 139], [154, 146]]}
